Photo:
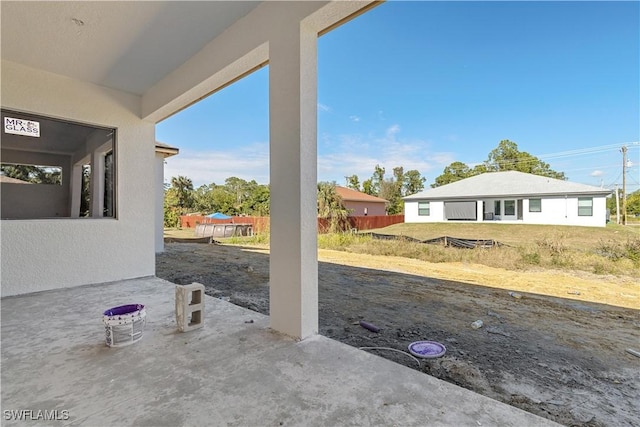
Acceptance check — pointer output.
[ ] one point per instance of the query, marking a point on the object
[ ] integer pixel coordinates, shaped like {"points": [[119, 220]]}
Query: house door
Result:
{"points": [[519, 209]]}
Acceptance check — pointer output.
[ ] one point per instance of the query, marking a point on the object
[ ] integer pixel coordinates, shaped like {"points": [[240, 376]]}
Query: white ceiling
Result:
{"points": [[128, 46]]}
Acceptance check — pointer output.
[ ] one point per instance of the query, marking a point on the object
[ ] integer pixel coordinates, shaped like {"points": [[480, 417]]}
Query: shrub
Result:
{"points": [[553, 244], [532, 258]]}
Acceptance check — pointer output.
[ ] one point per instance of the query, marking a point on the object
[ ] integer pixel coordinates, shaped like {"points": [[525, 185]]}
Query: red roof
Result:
{"points": [[350, 195]]}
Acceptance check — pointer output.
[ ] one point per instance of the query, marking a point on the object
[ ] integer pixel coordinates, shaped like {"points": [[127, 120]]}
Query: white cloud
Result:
{"points": [[205, 167], [596, 173], [356, 154], [354, 118], [392, 131], [339, 156], [323, 107]]}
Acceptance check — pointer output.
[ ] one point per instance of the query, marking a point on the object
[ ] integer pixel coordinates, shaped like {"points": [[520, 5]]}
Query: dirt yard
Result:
{"points": [[556, 348]]}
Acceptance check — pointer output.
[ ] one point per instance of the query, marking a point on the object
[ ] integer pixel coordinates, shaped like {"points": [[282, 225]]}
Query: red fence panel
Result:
{"points": [[261, 223]]}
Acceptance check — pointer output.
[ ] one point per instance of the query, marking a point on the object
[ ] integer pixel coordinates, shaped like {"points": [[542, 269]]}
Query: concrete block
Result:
{"points": [[189, 307]]}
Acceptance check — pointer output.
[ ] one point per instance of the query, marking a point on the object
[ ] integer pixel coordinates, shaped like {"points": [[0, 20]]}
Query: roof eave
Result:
{"points": [[502, 196]]}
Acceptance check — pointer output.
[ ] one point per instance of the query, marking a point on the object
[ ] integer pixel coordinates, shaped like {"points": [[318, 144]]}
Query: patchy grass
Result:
{"points": [[516, 234], [611, 250], [180, 233], [601, 250]]}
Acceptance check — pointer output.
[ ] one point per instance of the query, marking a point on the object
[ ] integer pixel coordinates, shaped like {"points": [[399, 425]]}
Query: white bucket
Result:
{"points": [[124, 324]]}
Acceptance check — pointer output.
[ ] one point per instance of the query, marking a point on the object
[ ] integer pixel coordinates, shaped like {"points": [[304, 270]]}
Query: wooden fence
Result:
{"points": [[261, 223]]}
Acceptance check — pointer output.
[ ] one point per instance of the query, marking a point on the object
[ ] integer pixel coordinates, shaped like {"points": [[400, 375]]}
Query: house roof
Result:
{"points": [[166, 150], [510, 183], [350, 195]]}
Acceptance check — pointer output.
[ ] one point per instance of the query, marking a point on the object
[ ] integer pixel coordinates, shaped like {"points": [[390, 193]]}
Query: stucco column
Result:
{"points": [[97, 184], [76, 190], [293, 176], [159, 203]]}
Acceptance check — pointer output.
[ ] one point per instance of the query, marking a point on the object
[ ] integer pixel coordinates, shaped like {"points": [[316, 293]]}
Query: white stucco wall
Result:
{"points": [[436, 213], [159, 202], [54, 253], [555, 210], [565, 212]]}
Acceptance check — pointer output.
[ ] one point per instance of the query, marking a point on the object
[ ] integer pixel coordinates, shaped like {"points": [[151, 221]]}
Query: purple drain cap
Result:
{"points": [[427, 349]]}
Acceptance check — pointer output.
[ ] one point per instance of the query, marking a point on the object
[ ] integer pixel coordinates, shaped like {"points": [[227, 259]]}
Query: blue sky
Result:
{"points": [[423, 84]]}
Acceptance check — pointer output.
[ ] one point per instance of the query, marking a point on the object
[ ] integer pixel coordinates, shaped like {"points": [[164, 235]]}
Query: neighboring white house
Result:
{"points": [[510, 196]]}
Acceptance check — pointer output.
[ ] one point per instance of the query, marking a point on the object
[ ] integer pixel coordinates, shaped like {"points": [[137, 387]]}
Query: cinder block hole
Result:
{"points": [[196, 297], [195, 318]]}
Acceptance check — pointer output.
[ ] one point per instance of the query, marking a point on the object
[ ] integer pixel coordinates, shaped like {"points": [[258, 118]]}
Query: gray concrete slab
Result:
{"points": [[235, 371]]}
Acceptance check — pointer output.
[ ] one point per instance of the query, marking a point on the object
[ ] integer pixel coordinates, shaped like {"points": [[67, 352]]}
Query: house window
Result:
{"points": [[510, 207], [496, 207], [67, 170], [424, 209], [535, 205], [585, 206]]}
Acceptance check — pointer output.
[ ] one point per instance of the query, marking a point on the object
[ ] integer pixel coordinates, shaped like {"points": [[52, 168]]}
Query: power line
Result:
{"points": [[566, 154]]}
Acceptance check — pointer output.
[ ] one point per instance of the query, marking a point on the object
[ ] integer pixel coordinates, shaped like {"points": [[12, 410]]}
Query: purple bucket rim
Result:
{"points": [[123, 309]]}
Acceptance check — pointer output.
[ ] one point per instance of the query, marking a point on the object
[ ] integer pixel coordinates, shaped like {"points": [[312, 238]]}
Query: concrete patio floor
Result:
{"points": [[231, 372]]}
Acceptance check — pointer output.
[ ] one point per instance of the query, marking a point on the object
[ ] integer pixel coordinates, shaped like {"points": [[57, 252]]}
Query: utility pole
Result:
{"points": [[617, 206], [624, 184]]}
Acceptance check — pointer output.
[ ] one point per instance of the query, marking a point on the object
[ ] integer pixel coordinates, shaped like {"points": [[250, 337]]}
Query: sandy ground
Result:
{"points": [[557, 348]]}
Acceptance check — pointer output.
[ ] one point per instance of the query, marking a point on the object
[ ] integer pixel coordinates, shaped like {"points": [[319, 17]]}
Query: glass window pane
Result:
{"points": [[535, 205], [424, 209], [585, 206], [509, 207]]}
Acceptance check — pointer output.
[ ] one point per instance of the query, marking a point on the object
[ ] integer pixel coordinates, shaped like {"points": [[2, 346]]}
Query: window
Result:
{"points": [[585, 206], [496, 207], [424, 209], [56, 169], [535, 205], [510, 207]]}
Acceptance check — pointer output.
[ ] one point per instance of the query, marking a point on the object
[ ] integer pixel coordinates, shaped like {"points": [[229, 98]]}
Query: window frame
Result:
{"points": [[534, 208], [513, 205], [589, 207], [421, 210], [107, 150], [497, 207]]}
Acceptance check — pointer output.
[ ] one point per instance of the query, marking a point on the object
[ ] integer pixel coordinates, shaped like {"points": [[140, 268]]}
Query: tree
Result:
{"points": [[392, 189], [412, 183], [376, 180], [183, 188], [633, 203], [331, 207], [452, 173], [505, 157], [171, 210], [257, 199], [33, 174], [353, 182], [367, 187]]}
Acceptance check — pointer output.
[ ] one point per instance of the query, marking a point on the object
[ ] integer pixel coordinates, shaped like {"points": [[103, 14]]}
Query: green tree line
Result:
{"points": [[235, 197], [505, 157]]}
